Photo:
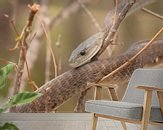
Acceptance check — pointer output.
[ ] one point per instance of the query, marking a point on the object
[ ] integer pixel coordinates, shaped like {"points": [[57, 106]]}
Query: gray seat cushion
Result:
{"points": [[131, 111]]}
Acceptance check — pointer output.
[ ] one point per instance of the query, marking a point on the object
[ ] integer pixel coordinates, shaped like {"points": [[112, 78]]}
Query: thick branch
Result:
{"points": [[75, 81]]}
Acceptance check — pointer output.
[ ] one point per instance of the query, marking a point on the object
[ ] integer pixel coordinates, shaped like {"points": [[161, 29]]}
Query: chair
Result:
{"points": [[137, 106]]}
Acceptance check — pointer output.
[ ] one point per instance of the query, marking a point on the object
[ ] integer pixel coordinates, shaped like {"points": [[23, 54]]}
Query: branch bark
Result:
{"points": [[75, 81]]}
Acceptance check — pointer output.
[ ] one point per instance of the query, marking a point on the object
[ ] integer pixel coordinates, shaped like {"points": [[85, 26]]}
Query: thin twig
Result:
{"points": [[58, 45], [111, 30], [12, 24], [50, 48], [47, 63], [134, 57], [66, 12], [7, 62], [31, 39], [116, 12], [112, 20], [152, 13], [30, 81], [93, 19], [45, 19], [14, 8], [25, 33], [18, 39]]}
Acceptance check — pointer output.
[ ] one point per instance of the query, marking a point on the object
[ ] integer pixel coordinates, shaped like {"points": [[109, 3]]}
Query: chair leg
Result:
{"points": [[98, 93], [160, 98], [124, 125], [114, 97], [94, 121], [146, 109], [113, 94]]}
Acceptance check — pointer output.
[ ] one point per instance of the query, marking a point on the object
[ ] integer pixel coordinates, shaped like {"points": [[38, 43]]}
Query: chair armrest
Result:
{"points": [[102, 85], [148, 88]]}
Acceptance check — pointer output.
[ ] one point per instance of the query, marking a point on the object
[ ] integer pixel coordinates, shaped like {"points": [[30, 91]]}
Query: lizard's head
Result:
{"points": [[86, 50]]}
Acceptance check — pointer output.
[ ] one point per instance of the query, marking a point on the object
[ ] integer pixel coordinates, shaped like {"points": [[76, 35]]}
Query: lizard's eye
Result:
{"points": [[82, 52]]}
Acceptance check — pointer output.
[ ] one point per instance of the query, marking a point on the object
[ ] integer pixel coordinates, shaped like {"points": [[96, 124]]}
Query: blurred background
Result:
{"points": [[70, 26]]}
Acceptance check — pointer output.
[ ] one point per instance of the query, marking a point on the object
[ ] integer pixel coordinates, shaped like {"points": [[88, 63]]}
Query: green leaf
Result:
{"points": [[24, 97], [7, 69], [20, 99], [3, 74], [2, 110], [9, 126], [2, 82]]}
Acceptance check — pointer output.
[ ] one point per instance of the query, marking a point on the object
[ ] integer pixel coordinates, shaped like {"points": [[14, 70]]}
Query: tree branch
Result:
{"points": [[152, 13], [22, 58]]}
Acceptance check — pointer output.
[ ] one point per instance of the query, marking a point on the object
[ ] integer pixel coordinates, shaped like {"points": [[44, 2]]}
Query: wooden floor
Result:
{"points": [[59, 121]]}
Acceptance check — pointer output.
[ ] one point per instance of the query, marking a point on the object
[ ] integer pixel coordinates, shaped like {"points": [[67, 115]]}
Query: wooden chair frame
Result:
{"points": [[146, 106]]}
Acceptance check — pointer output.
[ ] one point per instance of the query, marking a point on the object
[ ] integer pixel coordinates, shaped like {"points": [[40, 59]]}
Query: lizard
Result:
{"points": [[88, 49]]}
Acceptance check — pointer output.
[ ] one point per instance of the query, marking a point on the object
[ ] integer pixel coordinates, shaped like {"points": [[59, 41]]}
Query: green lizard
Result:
{"points": [[90, 47]]}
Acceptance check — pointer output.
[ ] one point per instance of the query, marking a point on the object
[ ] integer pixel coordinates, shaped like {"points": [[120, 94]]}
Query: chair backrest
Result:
{"points": [[143, 77]]}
